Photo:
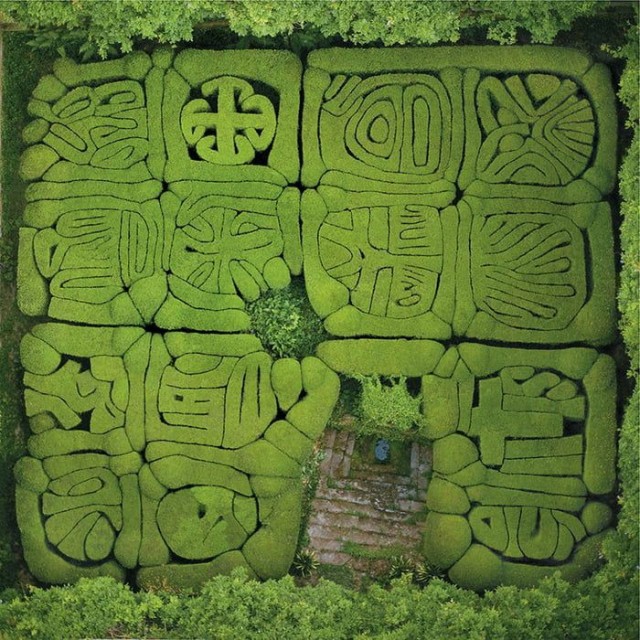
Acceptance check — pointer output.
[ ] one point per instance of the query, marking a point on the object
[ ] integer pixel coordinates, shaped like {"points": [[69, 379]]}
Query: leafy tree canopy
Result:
{"points": [[392, 22]]}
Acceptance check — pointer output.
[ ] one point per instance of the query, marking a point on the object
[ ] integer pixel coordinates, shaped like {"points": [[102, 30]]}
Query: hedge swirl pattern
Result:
{"points": [[436, 195]]}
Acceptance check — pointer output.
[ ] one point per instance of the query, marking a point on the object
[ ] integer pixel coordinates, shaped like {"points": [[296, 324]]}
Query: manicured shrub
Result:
{"points": [[89, 504], [535, 490], [285, 322], [447, 497]]}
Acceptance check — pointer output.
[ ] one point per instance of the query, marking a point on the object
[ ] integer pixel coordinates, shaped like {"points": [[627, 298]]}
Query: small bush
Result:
{"points": [[285, 322], [92, 608], [388, 409]]}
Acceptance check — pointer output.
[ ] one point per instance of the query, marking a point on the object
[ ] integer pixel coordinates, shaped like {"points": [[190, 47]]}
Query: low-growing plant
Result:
{"points": [[230, 607], [310, 477], [305, 563], [401, 565], [285, 322], [387, 408], [424, 572], [420, 572]]}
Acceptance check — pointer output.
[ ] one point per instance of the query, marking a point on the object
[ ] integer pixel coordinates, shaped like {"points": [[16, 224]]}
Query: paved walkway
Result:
{"points": [[373, 506]]}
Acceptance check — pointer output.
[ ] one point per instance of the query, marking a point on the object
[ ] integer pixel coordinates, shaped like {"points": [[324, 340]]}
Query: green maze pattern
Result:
{"points": [[436, 195], [523, 457]]}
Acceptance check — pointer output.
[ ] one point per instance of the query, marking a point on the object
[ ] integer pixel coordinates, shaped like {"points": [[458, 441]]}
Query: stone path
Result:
{"points": [[374, 507]]}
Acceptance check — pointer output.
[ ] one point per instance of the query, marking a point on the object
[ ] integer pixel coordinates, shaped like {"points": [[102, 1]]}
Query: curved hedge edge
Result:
{"points": [[49, 566], [186, 575], [480, 568], [398, 357]]}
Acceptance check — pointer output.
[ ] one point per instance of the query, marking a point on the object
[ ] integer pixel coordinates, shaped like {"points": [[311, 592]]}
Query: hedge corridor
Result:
{"points": [[448, 209]]}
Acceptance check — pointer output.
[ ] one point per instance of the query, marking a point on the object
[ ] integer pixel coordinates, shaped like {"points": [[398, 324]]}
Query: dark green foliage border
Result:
{"points": [[22, 67], [604, 606]]}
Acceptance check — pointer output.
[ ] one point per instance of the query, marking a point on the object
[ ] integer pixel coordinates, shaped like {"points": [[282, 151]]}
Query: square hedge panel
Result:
{"points": [[402, 149]]}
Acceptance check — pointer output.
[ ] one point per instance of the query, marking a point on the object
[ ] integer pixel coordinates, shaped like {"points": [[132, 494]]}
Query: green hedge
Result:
{"points": [[620, 548], [231, 607], [449, 202], [197, 497]]}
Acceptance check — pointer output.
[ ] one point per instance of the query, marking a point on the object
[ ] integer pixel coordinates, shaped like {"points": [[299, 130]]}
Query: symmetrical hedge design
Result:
{"points": [[461, 193], [448, 193], [105, 243], [160, 201], [456, 201]]}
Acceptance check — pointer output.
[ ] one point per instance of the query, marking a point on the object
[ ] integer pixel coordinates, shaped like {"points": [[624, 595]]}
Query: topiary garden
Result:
{"points": [[448, 210]]}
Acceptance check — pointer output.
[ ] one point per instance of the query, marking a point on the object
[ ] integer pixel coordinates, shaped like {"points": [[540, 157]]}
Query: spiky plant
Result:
{"points": [[400, 565], [305, 562], [424, 571]]}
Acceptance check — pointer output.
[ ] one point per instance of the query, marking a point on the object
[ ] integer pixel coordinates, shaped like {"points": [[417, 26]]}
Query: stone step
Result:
{"points": [[360, 502], [379, 521], [333, 539], [366, 473], [372, 506], [328, 543], [345, 523], [340, 458], [368, 484], [369, 492], [333, 557], [351, 443], [345, 467], [367, 541], [412, 506], [321, 505], [370, 475], [329, 437]]}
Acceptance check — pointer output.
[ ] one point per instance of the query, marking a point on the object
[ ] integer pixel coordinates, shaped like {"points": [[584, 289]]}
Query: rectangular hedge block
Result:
{"points": [[145, 449], [161, 189], [529, 436]]}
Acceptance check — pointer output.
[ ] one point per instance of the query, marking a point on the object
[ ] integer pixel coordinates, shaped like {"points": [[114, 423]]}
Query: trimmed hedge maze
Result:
{"points": [[448, 211]]}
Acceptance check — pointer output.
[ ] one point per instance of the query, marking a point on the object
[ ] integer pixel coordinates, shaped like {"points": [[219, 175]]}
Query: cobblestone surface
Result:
{"points": [[374, 506]]}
